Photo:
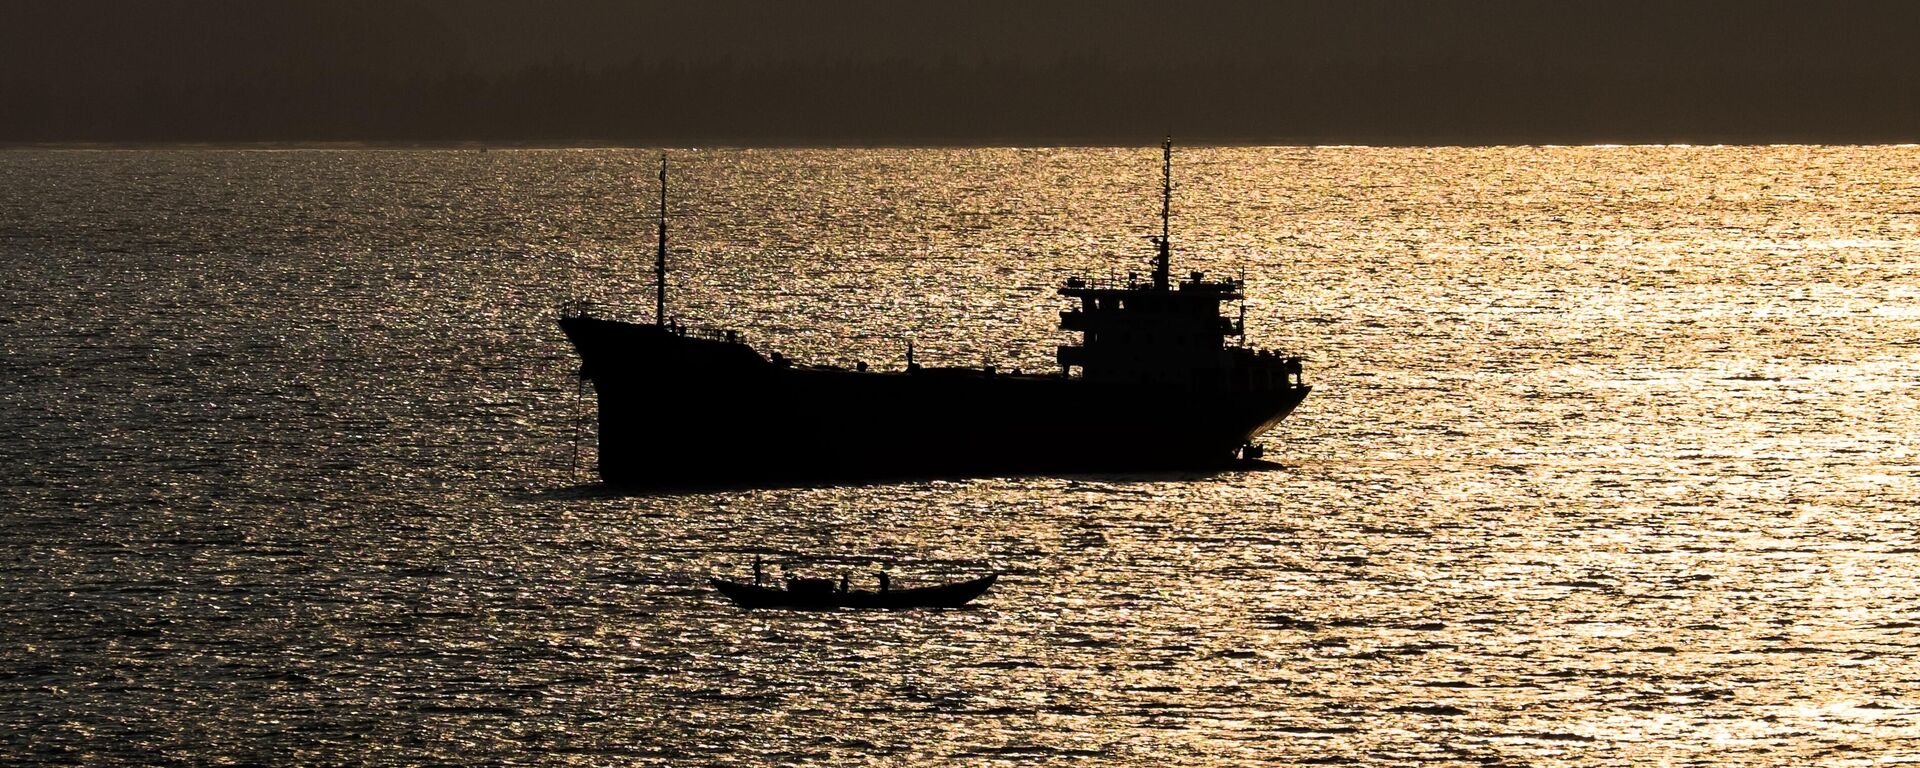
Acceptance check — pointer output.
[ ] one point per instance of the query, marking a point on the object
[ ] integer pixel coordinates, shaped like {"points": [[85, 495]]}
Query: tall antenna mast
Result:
{"points": [[660, 257], [1162, 268]]}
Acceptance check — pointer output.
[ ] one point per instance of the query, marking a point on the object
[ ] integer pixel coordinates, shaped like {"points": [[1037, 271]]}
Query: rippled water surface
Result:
{"points": [[1610, 459]]}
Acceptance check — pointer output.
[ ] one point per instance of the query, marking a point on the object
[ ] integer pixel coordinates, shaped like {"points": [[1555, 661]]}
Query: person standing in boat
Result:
{"points": [[886, 583], [759, 571]]}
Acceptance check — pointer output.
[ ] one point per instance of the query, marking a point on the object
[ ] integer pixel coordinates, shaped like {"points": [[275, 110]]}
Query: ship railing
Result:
{"points": [[727, 335], [585, 308], [1269, 357], [1226, 287], [1262, 365], [1198, 280], [1128, 283]]}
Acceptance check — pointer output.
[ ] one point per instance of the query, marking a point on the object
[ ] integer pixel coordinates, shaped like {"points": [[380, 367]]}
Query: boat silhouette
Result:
{"points": [[822, 594], [1152, 384]]}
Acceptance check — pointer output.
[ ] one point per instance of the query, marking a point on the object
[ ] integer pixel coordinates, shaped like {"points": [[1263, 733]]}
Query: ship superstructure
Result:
{"points": [[1165, 334]]}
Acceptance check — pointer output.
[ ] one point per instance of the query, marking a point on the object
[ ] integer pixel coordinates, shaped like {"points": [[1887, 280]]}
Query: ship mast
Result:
{"points": [[1162, 268], [660, 256]]}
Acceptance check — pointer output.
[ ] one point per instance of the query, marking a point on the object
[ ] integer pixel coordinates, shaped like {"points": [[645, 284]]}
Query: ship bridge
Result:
{"points": [[1165, 332], [1135, 333]]}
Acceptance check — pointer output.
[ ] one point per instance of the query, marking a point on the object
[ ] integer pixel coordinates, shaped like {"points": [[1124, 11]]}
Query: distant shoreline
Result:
{"points": [[402, 145]]}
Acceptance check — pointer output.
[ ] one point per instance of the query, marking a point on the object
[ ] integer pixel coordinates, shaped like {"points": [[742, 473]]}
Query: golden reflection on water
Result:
{"points": [[1609, 460]]}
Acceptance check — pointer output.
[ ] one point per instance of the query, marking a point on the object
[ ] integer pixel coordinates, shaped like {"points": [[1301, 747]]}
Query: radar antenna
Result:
{"points": [[660, 256], [1162, 267]]}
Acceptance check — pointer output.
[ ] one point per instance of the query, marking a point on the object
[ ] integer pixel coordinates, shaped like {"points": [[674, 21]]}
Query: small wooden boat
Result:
{"points": [[821, 594]]}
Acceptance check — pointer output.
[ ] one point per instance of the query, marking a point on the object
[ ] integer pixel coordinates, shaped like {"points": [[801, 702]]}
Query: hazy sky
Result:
{"points": [[501, 33], [1650, 64]]}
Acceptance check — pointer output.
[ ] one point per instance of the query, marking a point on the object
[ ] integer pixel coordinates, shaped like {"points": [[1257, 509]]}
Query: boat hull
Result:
{"points": [[943, 596], [674, 409]]}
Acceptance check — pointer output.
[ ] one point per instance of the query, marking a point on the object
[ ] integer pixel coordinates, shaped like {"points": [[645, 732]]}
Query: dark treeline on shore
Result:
{"points": [[994, 71]]}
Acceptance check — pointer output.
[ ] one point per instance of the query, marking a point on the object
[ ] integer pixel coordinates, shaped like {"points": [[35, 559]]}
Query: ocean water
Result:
{"points": [[1610, 460]]}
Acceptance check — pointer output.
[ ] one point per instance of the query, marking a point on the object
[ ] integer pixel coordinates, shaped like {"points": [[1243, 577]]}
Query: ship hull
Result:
{"points": [[675, 409]]}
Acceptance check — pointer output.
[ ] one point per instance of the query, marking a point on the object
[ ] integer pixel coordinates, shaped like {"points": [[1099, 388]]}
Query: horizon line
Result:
{"points": [[401, 144]]}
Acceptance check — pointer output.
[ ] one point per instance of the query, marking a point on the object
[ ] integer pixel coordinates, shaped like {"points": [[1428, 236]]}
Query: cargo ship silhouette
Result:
{"points": [[1153, 383]]}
